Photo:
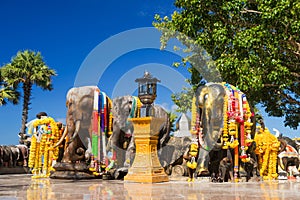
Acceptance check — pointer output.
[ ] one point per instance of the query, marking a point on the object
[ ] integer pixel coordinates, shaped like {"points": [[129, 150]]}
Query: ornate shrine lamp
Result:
{"points": [[147, 93], [146, 166]]}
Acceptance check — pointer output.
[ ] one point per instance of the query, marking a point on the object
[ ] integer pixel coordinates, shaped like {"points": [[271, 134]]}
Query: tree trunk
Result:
{"points": [[27, 86]]}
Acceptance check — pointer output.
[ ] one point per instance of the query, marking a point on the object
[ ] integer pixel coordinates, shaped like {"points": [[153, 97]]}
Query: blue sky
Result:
{"points": [[81, 39]]}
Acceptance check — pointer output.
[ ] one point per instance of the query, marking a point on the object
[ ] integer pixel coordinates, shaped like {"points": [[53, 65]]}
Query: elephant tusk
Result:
{"points": [[62, 137], [77, 127]]}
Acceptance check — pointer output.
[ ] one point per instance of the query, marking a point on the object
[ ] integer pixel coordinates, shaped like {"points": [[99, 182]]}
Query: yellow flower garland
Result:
{"points": [[32, 154], [43, 150], [225, 135], [139, 105], [267, 150], [194, 117], [110, 118]]}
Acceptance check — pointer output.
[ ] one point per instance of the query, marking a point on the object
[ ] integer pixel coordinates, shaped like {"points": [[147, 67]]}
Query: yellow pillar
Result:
{"points": [[146, 166]]}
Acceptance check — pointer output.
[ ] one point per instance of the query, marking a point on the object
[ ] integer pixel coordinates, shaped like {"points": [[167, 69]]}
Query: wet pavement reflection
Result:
{"points": [[24, 187]]}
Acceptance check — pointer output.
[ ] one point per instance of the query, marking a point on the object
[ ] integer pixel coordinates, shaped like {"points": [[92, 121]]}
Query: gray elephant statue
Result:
{"points": [[23, 155], [10, 155], [288, 159], [7, 156], [15, 155], [81, 120], [222, 121], [121, 143]]}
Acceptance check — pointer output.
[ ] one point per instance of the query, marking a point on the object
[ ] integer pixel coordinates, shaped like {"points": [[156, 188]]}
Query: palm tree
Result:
{"points": [[27, 68]]}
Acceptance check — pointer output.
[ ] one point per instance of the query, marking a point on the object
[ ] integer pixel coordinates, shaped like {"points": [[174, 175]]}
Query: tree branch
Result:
{"points": [[294, 44], [290, 99], [250, 11]]}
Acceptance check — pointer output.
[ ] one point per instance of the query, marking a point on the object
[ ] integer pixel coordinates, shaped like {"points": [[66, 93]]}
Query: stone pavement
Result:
{"points": [[22, 186]]}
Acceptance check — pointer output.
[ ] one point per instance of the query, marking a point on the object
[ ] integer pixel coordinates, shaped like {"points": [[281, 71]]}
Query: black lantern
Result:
{"points": [[147, 93]]}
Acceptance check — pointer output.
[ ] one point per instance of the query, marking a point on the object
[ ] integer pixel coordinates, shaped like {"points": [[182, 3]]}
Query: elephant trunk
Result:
{"points": [[211, 120], [77, 127]]}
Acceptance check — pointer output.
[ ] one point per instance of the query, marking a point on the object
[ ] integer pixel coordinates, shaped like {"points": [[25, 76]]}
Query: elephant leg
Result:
{"points": [[222, 172], [88, 152], [285, 163], [130, 153], [296, 160], [26, 154], [282, 167], [191, 174], [202, 162], [10, 164], [295, 166], [115, 145], [70, 152], [231, 174]]}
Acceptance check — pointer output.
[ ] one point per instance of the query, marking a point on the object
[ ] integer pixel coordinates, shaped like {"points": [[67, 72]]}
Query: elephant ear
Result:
{"points": [[121, 109], [201, 94], [71, 95]]}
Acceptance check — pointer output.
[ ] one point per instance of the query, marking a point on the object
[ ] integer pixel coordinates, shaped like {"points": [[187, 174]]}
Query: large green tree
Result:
{"points": [[26, 69], [255, 45]]}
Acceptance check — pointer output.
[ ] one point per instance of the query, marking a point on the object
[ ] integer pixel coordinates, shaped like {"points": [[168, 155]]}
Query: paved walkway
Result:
{"points": [[24, 187]]}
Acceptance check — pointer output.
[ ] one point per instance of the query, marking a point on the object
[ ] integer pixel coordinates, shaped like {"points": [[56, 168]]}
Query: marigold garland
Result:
{"points": [[138, 107], [225, 135], [32, 154], [194, 117], [42, 152], [110, 118], [267, 150]]}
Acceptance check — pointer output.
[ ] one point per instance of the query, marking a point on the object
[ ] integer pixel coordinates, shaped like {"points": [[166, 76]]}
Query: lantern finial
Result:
{"points": [[147, 91]]}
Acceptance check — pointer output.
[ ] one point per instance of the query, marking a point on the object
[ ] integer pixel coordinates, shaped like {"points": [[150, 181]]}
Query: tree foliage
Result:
{"points": [[255, 46], [172, 118], [27, 68], [7, 93]]}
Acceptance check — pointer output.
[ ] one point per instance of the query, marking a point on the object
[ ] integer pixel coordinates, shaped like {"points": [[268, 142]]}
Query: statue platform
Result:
{"points": [[146, 166], [22, 186]]}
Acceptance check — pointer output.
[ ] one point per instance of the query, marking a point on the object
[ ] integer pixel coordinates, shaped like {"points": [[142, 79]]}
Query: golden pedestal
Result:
{"points": [[146, 166]]}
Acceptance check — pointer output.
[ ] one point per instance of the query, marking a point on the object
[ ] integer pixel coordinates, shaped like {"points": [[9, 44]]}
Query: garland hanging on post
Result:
{"points": [[42, 153]]}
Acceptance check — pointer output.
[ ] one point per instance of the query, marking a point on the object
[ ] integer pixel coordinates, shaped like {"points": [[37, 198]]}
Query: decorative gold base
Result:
{"points": [[151, 178], [146, 166]]}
